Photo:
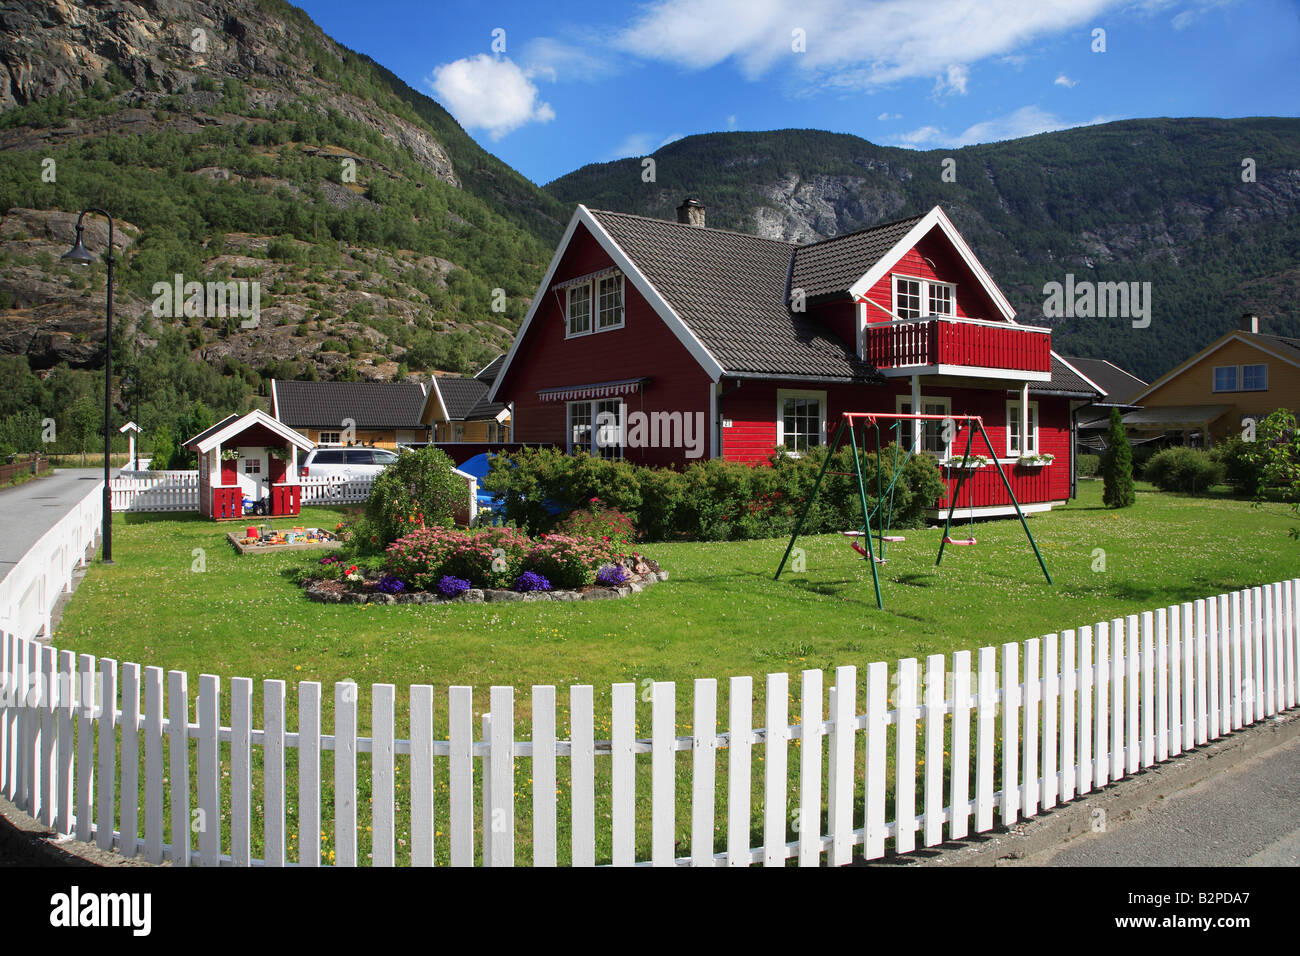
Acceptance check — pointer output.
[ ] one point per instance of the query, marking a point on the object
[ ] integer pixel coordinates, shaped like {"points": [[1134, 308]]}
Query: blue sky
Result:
{"points": [[571, 82]]}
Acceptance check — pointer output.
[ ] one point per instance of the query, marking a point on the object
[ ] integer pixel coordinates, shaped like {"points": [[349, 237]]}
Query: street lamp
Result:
{"points": [[79, 254]]}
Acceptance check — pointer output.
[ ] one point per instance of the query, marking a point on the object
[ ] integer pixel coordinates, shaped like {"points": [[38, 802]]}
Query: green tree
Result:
{"points": [[1117, 465], [86, 421]]}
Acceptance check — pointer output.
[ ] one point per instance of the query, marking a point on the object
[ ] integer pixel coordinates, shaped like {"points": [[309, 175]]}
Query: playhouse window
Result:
{"points": [[252, 466]]}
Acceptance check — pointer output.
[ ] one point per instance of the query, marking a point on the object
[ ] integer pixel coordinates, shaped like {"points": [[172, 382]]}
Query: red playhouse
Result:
{"points": [[248, 464]]}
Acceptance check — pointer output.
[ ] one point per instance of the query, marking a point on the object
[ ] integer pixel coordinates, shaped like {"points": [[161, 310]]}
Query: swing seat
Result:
{"points": [[893, 538], [863, 551], [960, 542]]}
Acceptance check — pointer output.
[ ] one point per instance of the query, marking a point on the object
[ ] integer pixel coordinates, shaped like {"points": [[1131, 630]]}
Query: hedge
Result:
{"points": [[710, 500], [1189, 470]]}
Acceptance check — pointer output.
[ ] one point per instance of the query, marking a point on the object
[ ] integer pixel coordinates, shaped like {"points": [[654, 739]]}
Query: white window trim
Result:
{"points": [[591, 317], [595, 303], [1013, 404], [591, 448], [322, 438], [901, 400], [1239, 382], [781, 395], [925, 296]]}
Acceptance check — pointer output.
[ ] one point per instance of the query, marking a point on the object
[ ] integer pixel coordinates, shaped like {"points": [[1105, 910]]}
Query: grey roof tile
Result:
{"points": [[1119, 385], [368, 404], [833, 265], [466, 398], [730, 290]]}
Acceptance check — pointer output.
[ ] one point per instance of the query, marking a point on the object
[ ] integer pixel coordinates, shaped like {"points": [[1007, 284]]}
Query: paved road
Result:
{"points": [[1246, 816], [28, 510]]}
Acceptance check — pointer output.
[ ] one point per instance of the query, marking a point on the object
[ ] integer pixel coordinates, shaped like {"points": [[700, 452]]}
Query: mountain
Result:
{"points": [[1160, 201], [234, 141]]}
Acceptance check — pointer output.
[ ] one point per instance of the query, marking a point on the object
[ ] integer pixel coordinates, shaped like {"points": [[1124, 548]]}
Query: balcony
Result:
{"points": [[972, 347]]}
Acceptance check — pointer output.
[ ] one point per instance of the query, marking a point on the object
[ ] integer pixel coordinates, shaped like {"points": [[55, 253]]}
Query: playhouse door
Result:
{"points": [[254, 475]]}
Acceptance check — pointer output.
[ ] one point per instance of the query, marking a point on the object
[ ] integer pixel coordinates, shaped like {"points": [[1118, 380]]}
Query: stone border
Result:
{"points": [[635, 585]]}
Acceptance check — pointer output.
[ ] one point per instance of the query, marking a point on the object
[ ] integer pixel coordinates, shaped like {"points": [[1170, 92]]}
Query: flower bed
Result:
{"points": [[442, 565]]}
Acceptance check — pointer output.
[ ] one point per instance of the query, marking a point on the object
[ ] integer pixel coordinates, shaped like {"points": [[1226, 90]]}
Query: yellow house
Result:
{"points": [[1245, 374], [383, 414], [457, 409]]}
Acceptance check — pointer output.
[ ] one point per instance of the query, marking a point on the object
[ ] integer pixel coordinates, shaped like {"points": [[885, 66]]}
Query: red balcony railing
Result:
{"points": [[970, 343]]}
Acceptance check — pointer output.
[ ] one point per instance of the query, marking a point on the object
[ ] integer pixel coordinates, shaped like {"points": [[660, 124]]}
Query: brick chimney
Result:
{"points": [[1249, 322], [691, 213]]}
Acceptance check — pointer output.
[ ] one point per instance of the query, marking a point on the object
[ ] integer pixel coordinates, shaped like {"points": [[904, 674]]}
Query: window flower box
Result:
{"points": [[969, 463], [1036, 461]]}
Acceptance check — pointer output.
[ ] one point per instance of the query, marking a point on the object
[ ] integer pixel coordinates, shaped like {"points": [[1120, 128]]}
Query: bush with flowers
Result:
{"points": [[568, 562], [602, 523], [420, 489]]}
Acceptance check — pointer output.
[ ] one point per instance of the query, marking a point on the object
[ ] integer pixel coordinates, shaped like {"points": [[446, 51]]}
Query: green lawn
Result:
{"points": [[720, 614]]}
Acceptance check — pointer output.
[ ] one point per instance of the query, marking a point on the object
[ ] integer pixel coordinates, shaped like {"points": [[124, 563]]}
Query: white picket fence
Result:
{"points": [[1054, 717], [30, 589], [179, 491]]}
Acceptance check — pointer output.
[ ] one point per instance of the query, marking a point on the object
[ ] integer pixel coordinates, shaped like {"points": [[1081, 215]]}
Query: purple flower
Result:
{"points": [[531, 581], [612, 575], [451, 587], [390, 585]]}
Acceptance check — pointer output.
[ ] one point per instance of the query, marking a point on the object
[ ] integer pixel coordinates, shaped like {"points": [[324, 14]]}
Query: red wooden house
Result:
{"points": [[248, 458], [664, 342]]}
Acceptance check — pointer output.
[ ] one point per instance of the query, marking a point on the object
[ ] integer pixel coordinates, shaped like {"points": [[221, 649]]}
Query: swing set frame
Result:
{"points": [[873, 419]]}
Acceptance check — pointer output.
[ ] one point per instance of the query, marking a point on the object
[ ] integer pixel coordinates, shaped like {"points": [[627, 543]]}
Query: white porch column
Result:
{"points": [[1024, 419], [292, 477], [918, 427]]}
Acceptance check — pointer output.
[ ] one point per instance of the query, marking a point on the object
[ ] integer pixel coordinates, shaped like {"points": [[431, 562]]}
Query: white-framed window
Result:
{"points": [[1015, 448], [932, 430], [1225, 378], [578, 309], [1241, 378], [800, 419], [328, 438], [597, 427], [609, 302], [916, 298], [252, 466]]}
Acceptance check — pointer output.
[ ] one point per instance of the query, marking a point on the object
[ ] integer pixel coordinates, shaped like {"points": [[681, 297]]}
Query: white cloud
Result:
{"points": [[1065, 81], [731, 121], [642, 144], [1026, 121], [953, 81], [490, 94], [562, 61], [852, 44], [886, 116]]}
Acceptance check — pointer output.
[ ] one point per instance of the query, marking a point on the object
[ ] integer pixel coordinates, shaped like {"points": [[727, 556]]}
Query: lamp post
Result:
{"points": [[79, 254]]}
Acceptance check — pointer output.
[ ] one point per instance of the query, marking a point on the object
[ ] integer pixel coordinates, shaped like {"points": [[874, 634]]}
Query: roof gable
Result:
{"points": [[256, 421], [1278, 346]]}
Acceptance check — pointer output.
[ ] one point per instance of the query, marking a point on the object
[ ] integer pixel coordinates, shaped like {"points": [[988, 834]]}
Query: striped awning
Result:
{"points": [[573, 393], [583, 279]]}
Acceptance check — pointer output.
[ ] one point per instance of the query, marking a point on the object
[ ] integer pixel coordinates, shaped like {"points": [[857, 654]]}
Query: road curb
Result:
{"points": [[1118, 802]]}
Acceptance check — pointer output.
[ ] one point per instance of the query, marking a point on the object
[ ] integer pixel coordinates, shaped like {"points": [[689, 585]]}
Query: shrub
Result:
{"points": [[419, 557], [1087, 466], [566, 562], [1242, 464], [1184, 469], [489, 558], [1117, 466], [420, 488], [602, 523]]}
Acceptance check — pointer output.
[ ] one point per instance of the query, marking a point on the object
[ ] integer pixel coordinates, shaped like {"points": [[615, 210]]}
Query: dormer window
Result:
{"points": [[923, 298]]}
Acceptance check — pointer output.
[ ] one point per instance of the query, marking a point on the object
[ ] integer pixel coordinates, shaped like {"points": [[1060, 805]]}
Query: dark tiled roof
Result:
{"points": [[1287, 343], [833, 265], [730, 290], [1063, 381], [492, 370], [369, 404], [212, 430], [466, 398], [1119, 385]]}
